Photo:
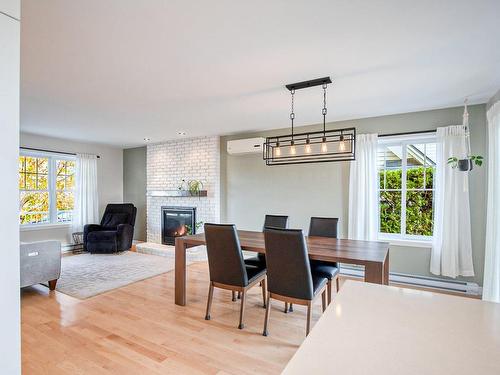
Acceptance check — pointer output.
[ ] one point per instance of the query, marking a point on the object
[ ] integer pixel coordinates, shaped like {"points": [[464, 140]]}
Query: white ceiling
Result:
{"points": [[117, 71]]}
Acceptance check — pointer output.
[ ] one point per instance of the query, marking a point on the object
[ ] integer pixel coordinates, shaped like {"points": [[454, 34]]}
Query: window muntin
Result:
{"points": [[46, 189], [65, 184], [406, 169]]}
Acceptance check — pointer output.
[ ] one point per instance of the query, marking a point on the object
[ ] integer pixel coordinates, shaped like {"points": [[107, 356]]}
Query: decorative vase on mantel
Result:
{"points": [[183, 186]]}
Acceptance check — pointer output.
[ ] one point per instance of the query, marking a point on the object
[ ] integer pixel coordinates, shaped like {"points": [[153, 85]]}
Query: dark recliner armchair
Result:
{"points": [[115, 233]]}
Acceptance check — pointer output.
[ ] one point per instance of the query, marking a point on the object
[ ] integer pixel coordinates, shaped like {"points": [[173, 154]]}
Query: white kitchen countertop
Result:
{"points": [[375, 329]]}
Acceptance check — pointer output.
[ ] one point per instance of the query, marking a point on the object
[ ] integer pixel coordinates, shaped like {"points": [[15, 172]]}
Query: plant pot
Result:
{"points": [[465, 165]]}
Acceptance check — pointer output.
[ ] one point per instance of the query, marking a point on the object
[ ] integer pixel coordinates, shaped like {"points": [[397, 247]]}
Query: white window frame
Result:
{"points": [[402, 238], [51, 188]]}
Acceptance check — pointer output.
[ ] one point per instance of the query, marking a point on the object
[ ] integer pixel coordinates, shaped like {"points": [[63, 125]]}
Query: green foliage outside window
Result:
{"points": [[35, 194], [419, 213]]}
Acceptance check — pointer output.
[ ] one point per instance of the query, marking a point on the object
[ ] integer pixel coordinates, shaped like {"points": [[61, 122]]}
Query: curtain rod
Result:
{"points": [[407, 133], [52, 151]]}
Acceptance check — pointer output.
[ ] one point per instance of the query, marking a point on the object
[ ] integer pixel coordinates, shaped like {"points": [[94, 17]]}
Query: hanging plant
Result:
{"points": [[465, 165]]}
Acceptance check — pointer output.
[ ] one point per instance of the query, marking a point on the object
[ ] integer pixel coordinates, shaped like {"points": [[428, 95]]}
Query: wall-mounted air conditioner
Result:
{"points": [[245, 146]]}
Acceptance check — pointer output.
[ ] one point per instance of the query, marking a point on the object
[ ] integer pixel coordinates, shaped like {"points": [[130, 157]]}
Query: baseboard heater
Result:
{"points": [[421, 281]]}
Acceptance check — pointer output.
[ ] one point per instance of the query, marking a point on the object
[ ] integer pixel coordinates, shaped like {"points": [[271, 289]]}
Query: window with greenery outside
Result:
{"points": [[412, 197], [34, 190], [46, 190]]}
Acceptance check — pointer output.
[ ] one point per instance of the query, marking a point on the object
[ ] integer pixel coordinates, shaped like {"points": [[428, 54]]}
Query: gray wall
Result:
{"points": [[109, 178], [250, 189], [134, 186]]}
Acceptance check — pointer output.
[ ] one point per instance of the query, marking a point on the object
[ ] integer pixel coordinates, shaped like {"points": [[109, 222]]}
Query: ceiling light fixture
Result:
{"points": [[318, 146], [181, 133], [147, 139]]}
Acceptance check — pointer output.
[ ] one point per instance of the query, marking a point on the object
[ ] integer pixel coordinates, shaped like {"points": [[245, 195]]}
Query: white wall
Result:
{"points": [[10, 340], [109, 177]]}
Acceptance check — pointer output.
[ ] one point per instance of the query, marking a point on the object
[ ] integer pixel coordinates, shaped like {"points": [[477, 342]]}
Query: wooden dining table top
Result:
{"points": [[322, 248]]}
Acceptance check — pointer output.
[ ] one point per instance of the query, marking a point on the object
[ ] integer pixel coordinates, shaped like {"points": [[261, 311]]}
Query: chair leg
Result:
{"points": [[268, 312], [329, 289], [290, 309], [286, 307], [209, 301], [233, 294], [263, 284], [242, 310], [338, 283], [309, 311], [52, 284], [239, 295], [323, 300]]}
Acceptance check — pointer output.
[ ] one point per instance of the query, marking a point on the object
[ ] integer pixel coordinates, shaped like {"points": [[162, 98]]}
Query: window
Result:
{"points": [[46, 189], [406, 169]]}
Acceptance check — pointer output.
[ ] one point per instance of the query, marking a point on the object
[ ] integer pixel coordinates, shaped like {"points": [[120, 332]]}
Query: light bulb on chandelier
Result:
{"points": [[277, 150], [307, 147], [324, 147], [342, 143]]}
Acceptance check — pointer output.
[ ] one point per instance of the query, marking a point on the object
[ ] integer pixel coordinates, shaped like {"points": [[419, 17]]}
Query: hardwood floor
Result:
{"points": [[138, 329]]}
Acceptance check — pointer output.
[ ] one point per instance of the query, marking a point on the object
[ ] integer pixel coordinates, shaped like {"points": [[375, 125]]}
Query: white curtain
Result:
{"points": [[452, 247], [363, 205], [491, 283], [86, 198]]}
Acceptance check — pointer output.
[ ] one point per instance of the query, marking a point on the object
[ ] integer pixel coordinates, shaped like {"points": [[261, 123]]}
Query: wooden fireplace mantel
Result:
{"points": [[176, 193]]}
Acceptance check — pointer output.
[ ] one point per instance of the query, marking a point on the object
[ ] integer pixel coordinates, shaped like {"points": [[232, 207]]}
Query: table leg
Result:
{"points": [[180, 272], [374, 273]]}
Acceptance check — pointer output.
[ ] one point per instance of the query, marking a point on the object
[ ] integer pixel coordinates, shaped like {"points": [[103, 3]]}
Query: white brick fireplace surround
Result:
{"points": [[189, 159]]}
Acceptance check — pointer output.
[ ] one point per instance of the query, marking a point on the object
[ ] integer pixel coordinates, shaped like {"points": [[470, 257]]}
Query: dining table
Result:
{"points": [[373, 255]]}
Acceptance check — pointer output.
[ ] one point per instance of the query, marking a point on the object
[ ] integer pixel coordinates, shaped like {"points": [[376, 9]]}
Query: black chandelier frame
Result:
{"points": [[333, 138], [313, 147]]}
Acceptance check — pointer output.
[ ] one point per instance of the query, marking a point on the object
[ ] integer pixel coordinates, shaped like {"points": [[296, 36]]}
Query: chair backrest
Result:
{"points": [[225, 259], [119, 213], [324, 226], [287, 259], [275, 221]]}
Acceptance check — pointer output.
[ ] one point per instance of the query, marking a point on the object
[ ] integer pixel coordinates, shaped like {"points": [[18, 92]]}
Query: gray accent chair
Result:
{"points": [[40, 263]]}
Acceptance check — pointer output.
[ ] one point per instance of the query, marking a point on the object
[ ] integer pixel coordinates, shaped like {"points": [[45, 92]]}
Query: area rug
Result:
{"points": [[87, 275]]}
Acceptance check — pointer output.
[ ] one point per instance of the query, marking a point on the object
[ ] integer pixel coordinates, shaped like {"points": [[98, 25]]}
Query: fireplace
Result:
{"points": [[177, 222]]}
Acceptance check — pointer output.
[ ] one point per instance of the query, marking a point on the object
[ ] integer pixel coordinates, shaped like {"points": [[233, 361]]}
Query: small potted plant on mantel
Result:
{"points": [[194, 187]]}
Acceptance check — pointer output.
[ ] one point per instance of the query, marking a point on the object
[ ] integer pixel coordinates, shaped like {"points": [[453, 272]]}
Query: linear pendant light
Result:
{"points": [[310, 147]]}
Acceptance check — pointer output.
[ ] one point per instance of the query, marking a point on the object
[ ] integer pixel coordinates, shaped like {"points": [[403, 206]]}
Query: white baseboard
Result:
{"points": [[465, 287]]}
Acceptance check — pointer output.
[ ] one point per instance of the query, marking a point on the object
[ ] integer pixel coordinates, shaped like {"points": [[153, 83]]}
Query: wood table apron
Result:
{"points": [[374, 256]]}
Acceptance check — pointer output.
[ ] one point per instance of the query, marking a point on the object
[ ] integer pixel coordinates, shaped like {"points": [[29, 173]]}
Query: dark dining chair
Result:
{"points": [[227, 268], [289, 275], [270, 221], [325, 227]]}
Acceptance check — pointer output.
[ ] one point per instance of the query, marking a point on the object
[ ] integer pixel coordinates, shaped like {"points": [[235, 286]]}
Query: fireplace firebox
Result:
{"points": [[177, 222]]}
